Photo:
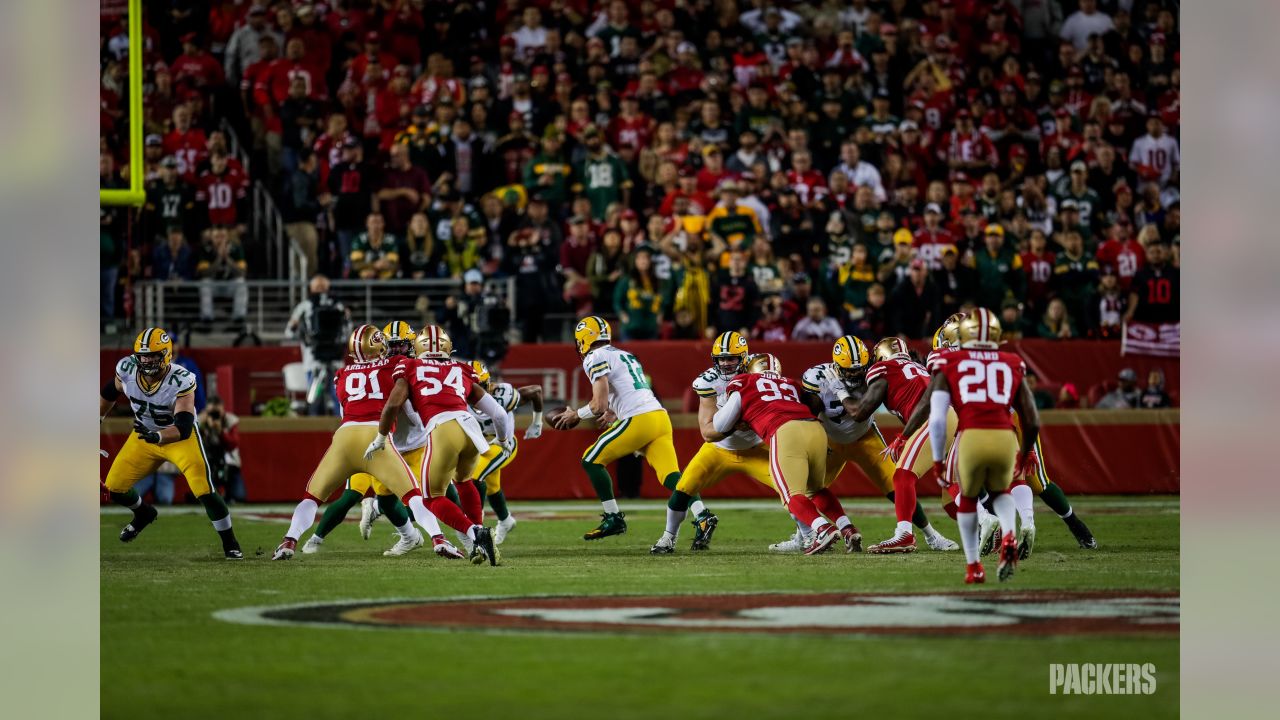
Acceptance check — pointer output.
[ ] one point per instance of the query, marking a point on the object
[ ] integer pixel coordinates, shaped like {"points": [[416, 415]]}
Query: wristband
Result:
{"points": [[585, 413], [537, 417]]}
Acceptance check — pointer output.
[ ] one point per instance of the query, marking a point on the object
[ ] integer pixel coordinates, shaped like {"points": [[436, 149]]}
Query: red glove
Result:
{"points": [[894, 450], [940, 474], [1028, 465]]}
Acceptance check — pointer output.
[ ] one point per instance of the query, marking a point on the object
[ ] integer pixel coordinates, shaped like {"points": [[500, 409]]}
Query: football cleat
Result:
{"points": [[1026, 540], [610, 524], [822, 539], [312, 545], [445, 549], [938, 542], [703, 528], [903, 543], [142, 517], [404, 545], [285, 550], [852, 538], [368, 513], [484, 549], [974, 574], [792, 545], [232, 553], [666, 545], [503, 527], [1008, 556], [1079, 530], [988, 531]]}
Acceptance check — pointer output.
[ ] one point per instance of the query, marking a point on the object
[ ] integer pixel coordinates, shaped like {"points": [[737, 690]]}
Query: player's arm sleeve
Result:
{"points": [[728, 416], [494, 411], [939, 402], [185, 422], [110, 392]]}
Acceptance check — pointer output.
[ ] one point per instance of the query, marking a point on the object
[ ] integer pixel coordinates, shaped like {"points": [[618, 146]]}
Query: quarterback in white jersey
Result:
{"points": [[163, 398], [620, 391], [488, 472]]}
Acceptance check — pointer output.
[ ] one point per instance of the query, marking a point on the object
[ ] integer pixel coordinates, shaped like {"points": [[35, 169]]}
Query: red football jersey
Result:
{"points": [[931, 363], [436, 386], [363, 389], [221, 193], [190, 148], [984, 385], [907, 382], [769, 401]]}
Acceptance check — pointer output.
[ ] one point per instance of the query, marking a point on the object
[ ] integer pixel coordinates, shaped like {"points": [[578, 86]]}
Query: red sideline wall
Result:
{"points": [[251, 374], [1119, 451]]}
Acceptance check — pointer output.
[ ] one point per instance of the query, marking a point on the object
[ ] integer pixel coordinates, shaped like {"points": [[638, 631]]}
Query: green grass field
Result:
{"points": [[164, 654]]}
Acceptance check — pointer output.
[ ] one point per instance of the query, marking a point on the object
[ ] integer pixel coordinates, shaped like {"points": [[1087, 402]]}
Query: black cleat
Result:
{"points": [[232, 553], [610, 524], [483, 548], [703, 528], [1081, 532], [142, 517]]}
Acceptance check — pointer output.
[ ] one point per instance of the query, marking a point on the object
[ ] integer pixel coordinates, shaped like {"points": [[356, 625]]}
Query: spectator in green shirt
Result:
{"points": [[638, 298], [855, 278], [375, 253], [1055, 324], [547, 173], [601, 176], [1075, 275], [999, 269]]}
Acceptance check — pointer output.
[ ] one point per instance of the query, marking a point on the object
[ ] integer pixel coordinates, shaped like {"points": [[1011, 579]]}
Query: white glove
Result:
{"points": [[535, 428], [378, 443], [510, 444], [102, 452]]}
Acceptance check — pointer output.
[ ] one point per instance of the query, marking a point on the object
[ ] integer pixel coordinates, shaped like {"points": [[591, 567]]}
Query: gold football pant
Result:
{"points": [[364, 482], [712, 463], [648, 433], [345, 458], [1040, 480], [985, 459], [798, 458], [139, 458], [866, 453], [449, 453], [489, 467]]}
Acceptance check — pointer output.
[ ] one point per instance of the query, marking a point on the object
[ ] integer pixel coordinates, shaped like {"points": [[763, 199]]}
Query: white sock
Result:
{"points": [[1006, 512], [406, 531], [610, 506], [223, 524], [697, 508], [674, 518], [804, 529], [905, 528], [818, 523], [843, 521], [424, 517], [1069, 514], [982, 512], [1024, 501], [304, 516], [968, 523], [668, 536]]}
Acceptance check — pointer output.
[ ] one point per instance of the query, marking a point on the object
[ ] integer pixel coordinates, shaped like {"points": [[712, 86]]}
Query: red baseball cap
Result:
{"points": [[629, 214], [371, 36]]}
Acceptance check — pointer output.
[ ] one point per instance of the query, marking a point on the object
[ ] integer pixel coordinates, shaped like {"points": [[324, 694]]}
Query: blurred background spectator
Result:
{"points": [[1125, 395]]}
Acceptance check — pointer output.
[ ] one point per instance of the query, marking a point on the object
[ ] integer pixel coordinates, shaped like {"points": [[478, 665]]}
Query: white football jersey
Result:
{"points": [[629, 390], [509, 398], [409, 434], [154, 409], [822, 381], [712, 384]]}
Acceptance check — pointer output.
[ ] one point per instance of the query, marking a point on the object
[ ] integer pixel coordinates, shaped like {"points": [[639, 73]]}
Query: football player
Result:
{"points": [[825, 388], [443, 391], [985, 385], [164, 421], [741, 451], [488, 470], [1039, 484], [363, 387], [638, 422], [770, 405], [410, 438]]}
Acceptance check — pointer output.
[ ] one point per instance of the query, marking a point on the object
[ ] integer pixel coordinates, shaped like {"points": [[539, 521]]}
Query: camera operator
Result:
{"points": [[222, 448], [322, 323], [477, 321]]}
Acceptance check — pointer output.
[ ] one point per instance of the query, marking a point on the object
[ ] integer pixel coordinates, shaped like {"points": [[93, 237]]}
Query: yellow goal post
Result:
{"points": [[136, 194]]}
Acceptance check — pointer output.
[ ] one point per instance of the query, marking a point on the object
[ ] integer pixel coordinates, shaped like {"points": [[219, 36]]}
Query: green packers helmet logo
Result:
{"points": [[837, 350], [582, 325]]}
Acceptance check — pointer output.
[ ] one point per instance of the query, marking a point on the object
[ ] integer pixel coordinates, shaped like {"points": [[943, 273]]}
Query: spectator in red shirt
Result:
{"points": [[222, 189], [712, 171], [316, 37], [931, 237], [403, 190], [1037, 263], [964, 148], [186, 143], [1122, 253], [196, 67], [575, 252]]}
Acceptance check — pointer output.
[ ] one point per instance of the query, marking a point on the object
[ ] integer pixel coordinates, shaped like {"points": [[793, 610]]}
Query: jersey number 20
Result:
{"points": [[983, 382]]}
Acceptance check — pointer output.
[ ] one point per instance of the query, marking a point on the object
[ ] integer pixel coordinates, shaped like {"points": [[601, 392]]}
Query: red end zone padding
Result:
{"points": [[1086, 452]]}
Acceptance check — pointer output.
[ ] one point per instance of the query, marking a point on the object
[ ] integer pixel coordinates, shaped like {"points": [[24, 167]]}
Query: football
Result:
{"points": [[563, 419]]}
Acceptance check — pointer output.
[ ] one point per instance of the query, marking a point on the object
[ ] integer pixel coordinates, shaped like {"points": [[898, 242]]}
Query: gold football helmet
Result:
{"points": [[399, 336], [589, 331], [980, 329], [366, 344], [728, 352], [153, 350], [851, 358], [482, 374], [433, 343], [891, 347], [946, 336], [764, 362]]}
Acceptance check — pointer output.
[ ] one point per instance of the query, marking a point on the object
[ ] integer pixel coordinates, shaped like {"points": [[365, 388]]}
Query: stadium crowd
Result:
{"points": [[794, 169]]}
